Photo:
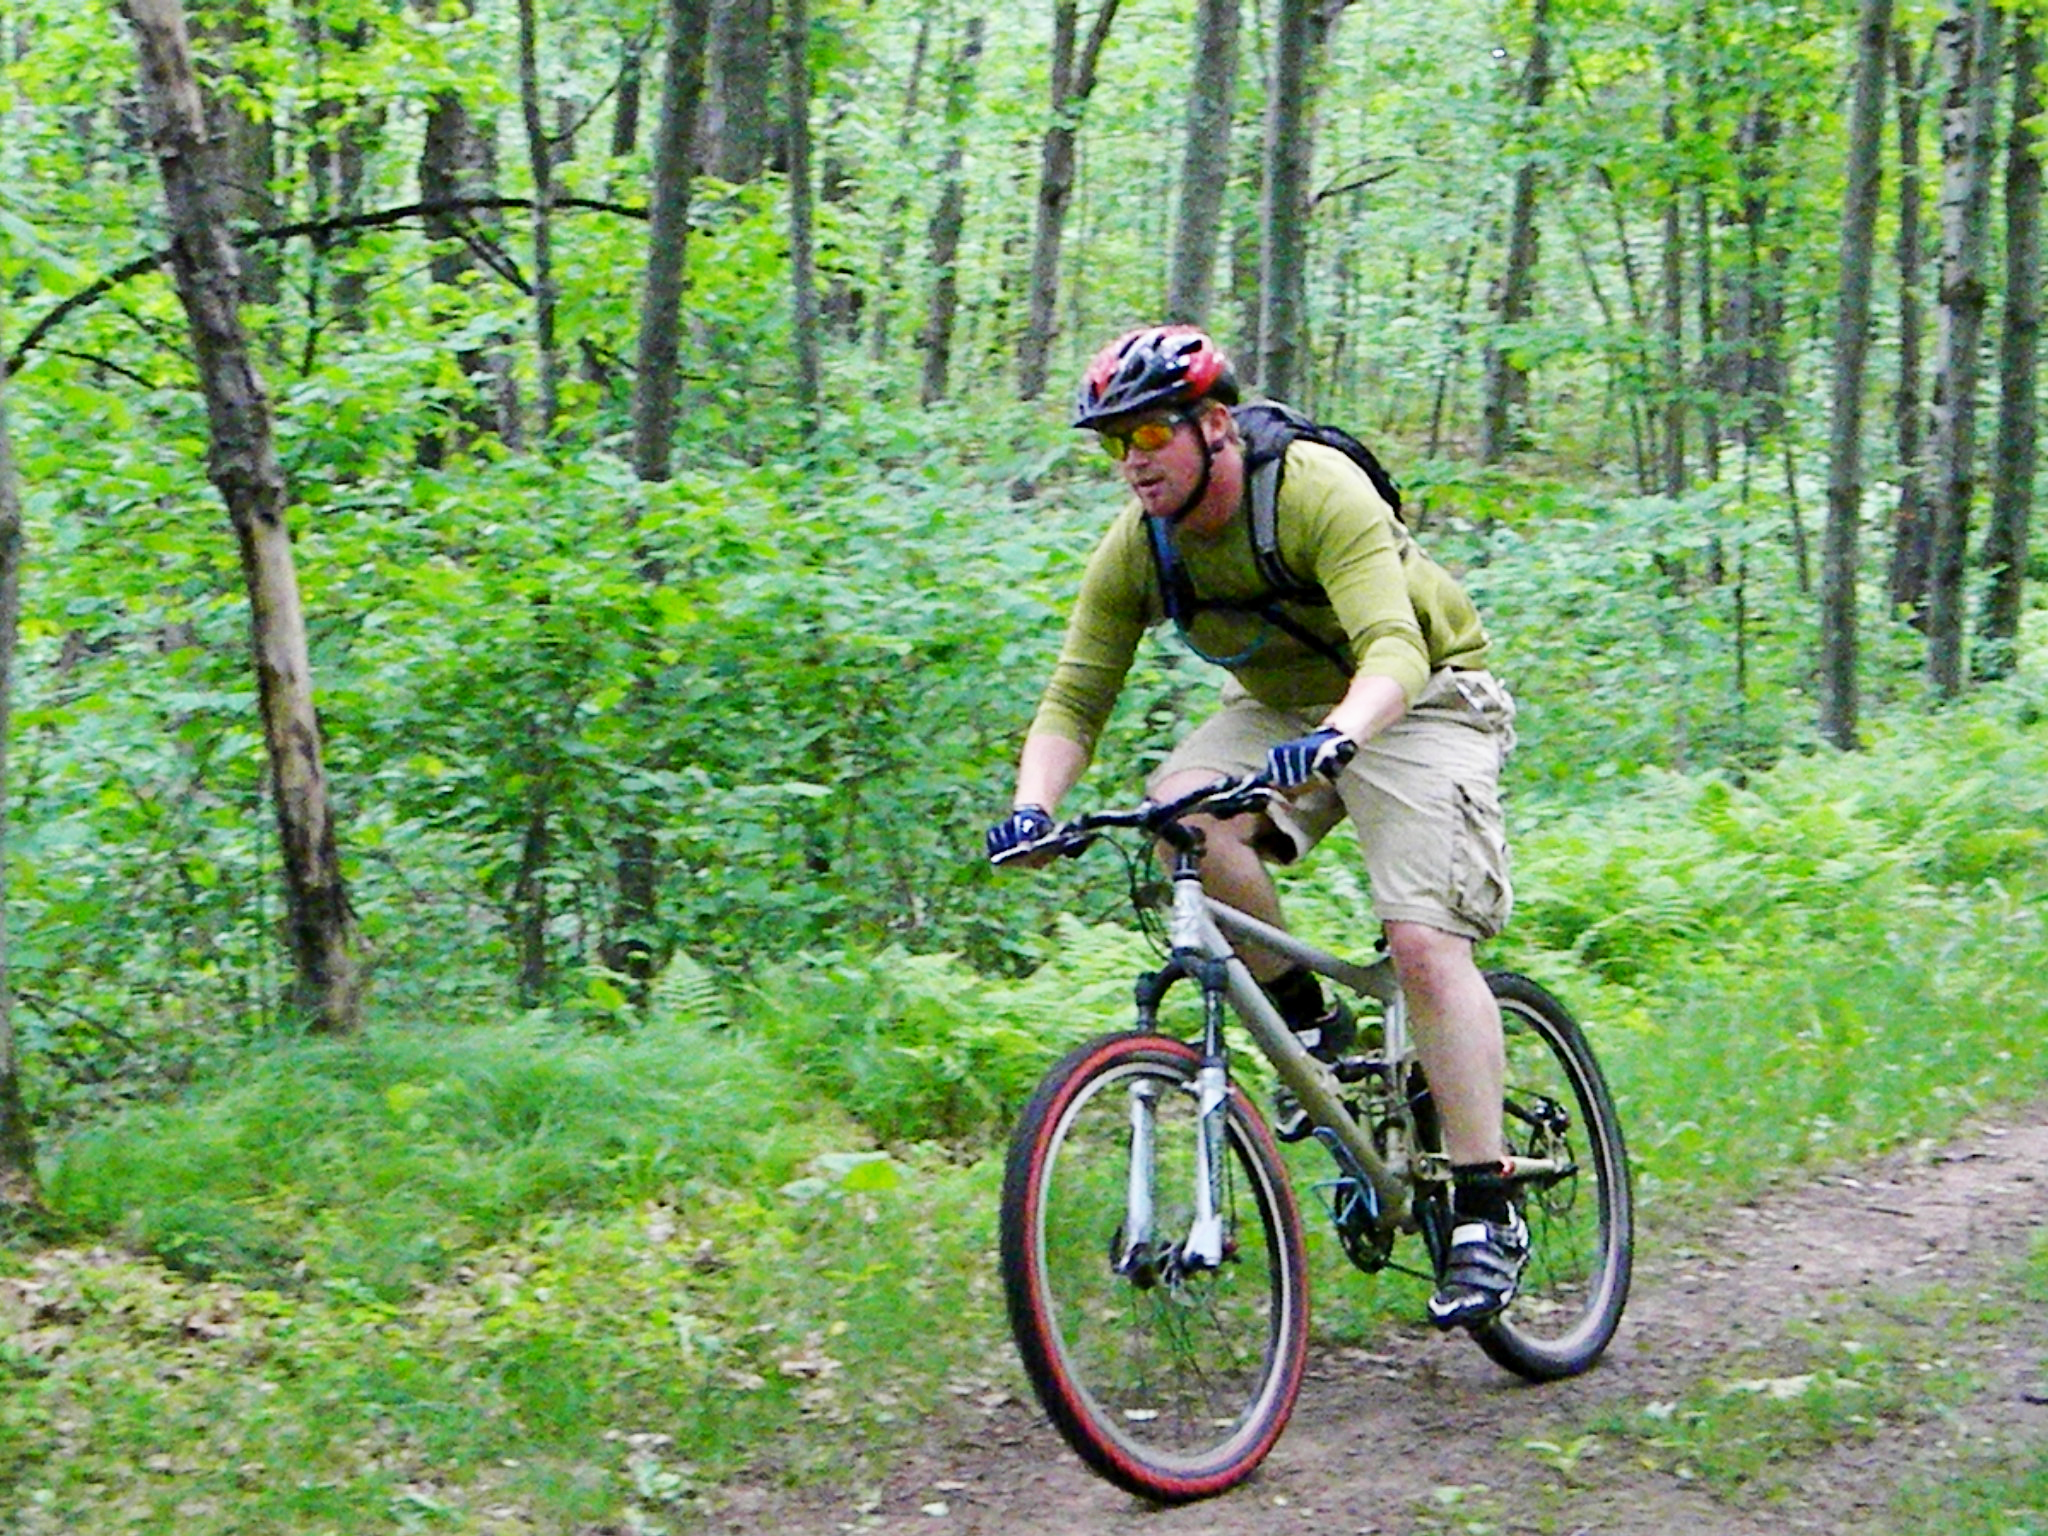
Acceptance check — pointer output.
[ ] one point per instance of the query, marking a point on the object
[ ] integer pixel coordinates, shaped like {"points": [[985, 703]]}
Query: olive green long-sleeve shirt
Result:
{"points": [[1393, 610]]}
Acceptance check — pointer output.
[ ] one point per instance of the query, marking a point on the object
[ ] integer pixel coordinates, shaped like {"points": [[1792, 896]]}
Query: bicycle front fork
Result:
{"points": [[1143, 1256]]}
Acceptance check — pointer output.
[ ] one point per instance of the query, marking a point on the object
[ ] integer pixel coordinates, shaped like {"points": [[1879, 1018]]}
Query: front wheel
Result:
{"points": [[1171, 1379], [1582, 1218]]}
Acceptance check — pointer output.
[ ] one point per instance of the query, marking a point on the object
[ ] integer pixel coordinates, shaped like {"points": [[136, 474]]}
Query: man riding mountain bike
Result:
{"points": [[1358, 687]]}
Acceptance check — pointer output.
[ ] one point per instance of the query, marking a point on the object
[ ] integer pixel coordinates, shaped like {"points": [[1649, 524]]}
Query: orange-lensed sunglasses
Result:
{"points": [[1145, 436]]}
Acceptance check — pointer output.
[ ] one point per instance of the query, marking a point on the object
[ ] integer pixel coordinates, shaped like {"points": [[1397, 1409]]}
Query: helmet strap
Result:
{"points": [[1175, 519]]}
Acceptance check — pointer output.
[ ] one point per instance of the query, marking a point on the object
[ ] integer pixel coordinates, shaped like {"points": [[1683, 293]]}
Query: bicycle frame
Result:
{"points": [[1200, 929]]}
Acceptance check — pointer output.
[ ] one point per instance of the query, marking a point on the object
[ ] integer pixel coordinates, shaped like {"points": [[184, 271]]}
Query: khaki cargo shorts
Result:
{"points": [[1423, 797]]}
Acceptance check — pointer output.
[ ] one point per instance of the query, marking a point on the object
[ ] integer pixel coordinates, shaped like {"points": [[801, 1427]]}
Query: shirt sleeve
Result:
{"points": [[1337, 529], [1108, 618]]}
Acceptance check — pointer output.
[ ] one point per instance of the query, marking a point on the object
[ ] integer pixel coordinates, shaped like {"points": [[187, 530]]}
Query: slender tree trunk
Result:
{"points": [[888, 284], [1703, 256], [1838, 702], [242, 462], [630, 947], [796, 41], [2014, 448], [337, 165], [541, 162], [626, 105], [1674, 309], [1912, 528], [1284, 211], [661, 302], [239, 121], [1205, 163], [1968, 40], [458, 163], [18, 1189], [1073, 81], [1503, 426], [948, 219]]}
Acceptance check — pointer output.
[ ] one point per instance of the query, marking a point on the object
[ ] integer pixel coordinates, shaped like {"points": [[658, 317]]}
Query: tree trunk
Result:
{"points": [[540, 161], [1205, 163], [242, 462], [2014, 447], [1503, 414], [626, 106], [1912, 529], [661, 303], [1968, 40], [796, 75], [630, 948], [892, 233], [458, 163], [246, 138], [337, 165], [1674, 308], [1838, 702], [738, 84], [1073, 81], [17, 1143], [1284, 210], [948, 218]]}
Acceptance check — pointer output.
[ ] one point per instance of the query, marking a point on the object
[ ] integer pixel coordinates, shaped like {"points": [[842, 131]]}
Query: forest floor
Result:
{"points": [[1800, 1363]]}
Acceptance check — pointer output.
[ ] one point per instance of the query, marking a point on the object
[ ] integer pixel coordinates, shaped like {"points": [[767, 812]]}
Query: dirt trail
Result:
{"points": [[1381, 1439]]}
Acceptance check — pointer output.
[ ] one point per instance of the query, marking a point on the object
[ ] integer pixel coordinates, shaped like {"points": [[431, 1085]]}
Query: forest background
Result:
{"points": [[641, 433]]}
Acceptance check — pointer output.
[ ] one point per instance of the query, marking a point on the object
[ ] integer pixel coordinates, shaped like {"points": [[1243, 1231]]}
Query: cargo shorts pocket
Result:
{"points": [[1479, 863]]}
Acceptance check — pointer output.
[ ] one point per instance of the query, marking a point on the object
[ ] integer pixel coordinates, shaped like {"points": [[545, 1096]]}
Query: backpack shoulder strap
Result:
{"points": [[1269, 430]]}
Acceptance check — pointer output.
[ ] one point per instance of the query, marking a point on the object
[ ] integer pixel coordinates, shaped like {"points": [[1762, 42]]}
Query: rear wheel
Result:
{"points": [[1171, 1379], [1582, 1219]]}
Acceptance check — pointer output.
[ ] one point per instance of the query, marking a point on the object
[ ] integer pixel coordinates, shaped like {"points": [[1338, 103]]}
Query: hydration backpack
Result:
{"points": [[1269, 429]]}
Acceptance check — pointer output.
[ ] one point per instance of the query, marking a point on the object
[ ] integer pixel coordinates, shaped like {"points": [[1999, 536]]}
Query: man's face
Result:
{"points": [[1161, 457]]}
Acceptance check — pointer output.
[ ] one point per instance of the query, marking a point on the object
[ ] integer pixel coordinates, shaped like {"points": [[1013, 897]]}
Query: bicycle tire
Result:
{"points": [[1177, 1389], [1582, 1226]]}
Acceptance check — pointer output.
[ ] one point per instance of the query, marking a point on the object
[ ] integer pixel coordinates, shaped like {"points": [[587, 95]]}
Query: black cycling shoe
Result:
{"points": [[1482, 1272]]}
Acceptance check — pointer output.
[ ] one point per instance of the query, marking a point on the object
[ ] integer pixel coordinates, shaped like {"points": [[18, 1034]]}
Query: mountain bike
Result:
{"points": [[1152, 1246]]}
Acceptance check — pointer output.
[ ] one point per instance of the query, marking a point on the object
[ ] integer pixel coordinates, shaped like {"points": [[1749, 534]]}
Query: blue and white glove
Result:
{"points": [[1018, 832], [1324, 751]]}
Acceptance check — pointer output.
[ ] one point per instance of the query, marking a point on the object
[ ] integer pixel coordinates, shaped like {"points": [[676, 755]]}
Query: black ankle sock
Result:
{"points": [[1481, 1190], [1298, 996]]}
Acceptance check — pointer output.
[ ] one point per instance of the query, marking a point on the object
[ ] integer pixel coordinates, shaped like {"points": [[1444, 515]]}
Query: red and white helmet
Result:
{"points": [[1153, 366]]}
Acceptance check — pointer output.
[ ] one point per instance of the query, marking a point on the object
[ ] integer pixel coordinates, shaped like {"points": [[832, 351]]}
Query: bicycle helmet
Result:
{"points": [[1154, 365]]}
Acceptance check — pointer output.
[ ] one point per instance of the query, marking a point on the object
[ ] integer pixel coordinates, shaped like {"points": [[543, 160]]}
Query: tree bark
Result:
{"points": [[948, 219], [1503, 427], [626, 105], [1838, 700], [796, 76], [739, 73], [1674, 307], [246, 139], [242, 462], [1284, 209], [661, 303], [1073, 81], [1912, 530], [1205, 163], [892, 232], [2015, 444], [458, 164], [1968, 40], [540, 161], [18, 1188]]}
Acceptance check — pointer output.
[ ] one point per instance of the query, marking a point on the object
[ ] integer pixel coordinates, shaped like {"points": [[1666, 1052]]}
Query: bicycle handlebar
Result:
{"points": [[1222, 799]]}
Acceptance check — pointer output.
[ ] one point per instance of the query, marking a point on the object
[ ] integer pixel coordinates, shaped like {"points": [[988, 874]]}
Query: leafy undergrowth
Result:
{"points": [[535, 1277]]}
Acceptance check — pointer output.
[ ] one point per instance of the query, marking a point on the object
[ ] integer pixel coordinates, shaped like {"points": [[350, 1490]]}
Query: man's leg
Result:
{"points": [[1457, 1036]]}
